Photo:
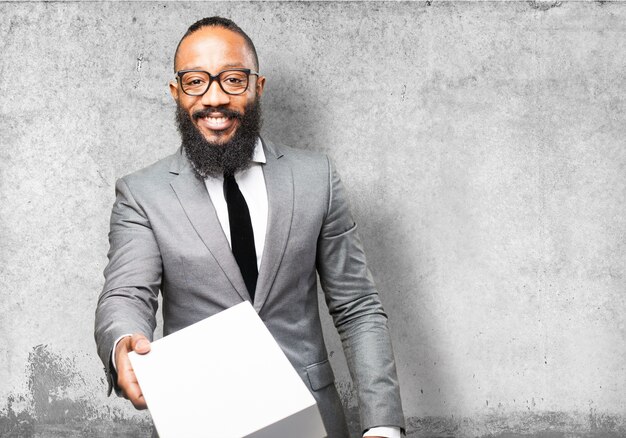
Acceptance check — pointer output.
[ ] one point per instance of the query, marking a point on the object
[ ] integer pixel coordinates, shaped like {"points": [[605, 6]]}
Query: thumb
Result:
{"points": [[140, 344]]}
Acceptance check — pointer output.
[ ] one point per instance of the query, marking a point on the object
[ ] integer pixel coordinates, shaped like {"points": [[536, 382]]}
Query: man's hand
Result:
{"points": [[126, 379]]}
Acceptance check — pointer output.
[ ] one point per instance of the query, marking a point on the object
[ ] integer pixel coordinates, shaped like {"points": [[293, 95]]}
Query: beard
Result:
{"points": [[210, 159]]}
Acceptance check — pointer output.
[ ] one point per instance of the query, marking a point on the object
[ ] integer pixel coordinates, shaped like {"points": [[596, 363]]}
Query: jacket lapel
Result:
{"points": [[279, 186], [196, 203]]}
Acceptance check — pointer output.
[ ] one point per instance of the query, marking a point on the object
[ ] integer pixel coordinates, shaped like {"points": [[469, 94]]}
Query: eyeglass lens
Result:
{"points": [[231, 81]]}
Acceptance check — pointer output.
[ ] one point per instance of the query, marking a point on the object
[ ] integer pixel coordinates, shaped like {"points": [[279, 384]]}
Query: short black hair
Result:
{"points": [[223, 23]]}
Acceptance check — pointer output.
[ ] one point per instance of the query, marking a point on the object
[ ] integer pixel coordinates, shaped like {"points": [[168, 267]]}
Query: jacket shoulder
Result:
{"points": [[300, 158], [157, 173]]}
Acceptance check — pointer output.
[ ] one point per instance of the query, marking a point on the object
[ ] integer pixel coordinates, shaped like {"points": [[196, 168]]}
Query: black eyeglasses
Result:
{"points": [[233, 81]]}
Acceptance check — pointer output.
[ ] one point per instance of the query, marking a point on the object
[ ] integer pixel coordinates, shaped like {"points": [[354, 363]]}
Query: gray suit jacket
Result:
{"points": [[165, 235]]}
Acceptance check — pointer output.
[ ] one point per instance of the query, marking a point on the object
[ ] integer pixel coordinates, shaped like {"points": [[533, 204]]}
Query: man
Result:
{"points": [[231, 217]]}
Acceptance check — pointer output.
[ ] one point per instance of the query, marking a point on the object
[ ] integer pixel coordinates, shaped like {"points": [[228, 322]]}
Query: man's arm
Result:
{"points": [[357, 313], [128, 302]]}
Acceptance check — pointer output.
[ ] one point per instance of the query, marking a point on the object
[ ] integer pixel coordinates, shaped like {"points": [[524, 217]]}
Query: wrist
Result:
{"points": [[114, 350]]}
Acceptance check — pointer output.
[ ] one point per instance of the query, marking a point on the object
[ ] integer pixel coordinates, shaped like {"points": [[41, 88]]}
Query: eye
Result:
{"points": [[234, 80], [194, 81]]}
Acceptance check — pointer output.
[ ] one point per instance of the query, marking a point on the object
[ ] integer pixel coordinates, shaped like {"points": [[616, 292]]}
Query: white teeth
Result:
{"points": [[217, 119]]}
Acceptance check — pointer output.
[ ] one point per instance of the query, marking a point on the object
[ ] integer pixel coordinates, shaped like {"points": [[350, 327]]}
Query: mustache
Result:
{"points": [[205, 112]]}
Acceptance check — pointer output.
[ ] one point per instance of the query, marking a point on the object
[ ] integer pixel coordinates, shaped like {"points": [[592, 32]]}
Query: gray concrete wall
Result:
{"points": [[483, 148]]}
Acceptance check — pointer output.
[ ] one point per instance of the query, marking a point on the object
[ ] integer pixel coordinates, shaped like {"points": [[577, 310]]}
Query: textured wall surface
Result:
{"points": [[483, 148]]}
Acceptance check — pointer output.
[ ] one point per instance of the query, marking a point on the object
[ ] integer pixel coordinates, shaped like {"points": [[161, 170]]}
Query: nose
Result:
{"points": [[215, 96]]}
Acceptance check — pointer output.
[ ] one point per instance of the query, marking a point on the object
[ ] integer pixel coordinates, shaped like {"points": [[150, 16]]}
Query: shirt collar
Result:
{"points": [[258, 156]]}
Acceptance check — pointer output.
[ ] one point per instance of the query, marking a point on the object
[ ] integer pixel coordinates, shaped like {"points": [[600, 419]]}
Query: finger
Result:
{"points": [[134, 394], [131, 390], [140, 403], [139, 344]]}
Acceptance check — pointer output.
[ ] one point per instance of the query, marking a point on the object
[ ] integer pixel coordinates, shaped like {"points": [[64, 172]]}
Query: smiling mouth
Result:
{"points": [[216, 122]]}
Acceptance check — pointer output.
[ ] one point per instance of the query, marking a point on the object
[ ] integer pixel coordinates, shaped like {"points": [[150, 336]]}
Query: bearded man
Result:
{"points": [[232, 217]]}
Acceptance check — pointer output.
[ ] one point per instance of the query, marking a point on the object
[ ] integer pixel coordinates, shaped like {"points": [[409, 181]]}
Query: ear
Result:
{"points": [[174, 90], [260, 84]]}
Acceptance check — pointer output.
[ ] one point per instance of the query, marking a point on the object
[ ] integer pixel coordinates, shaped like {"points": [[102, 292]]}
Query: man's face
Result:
{"points": [[214, 49]]}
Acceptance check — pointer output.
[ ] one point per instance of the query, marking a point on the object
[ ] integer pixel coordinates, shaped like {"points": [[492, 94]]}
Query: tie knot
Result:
{"points": [[229, 181]]}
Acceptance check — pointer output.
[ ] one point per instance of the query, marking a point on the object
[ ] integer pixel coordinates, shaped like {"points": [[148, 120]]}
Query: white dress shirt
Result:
{"points": [[251, 182]]}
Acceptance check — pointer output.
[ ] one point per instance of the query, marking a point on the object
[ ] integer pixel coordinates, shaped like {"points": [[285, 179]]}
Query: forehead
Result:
{"points": [[213, 49]]}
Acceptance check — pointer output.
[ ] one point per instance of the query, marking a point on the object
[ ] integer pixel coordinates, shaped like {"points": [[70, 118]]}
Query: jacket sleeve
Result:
{"points": [[128, 302], [357, 313]]}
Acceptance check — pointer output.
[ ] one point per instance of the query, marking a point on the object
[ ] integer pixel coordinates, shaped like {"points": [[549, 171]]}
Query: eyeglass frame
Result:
{"points": [[249, 72]]}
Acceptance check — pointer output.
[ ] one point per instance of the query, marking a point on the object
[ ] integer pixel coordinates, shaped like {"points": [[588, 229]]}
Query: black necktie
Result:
{"points": [[241, 234]]}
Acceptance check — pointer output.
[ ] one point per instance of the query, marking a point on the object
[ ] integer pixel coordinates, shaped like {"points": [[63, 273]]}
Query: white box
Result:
{"points": [[225, 377]]}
